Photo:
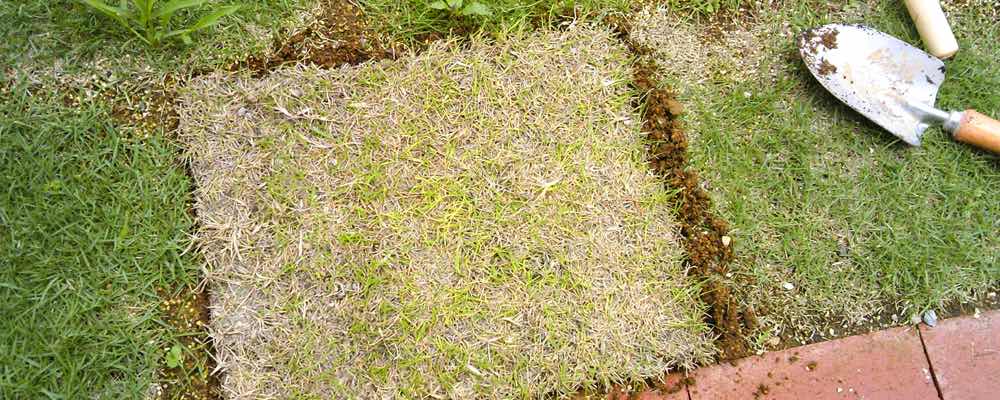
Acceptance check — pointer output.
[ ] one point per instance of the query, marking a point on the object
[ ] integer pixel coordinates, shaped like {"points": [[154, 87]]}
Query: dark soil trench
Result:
{"points": [[705, 235]]}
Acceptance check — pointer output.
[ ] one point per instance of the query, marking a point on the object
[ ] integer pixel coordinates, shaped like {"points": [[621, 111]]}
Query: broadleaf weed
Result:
{"points": [[150, 21], [461, 8]]}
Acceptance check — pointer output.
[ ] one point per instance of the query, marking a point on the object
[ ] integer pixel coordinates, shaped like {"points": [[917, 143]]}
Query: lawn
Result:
{"points": [[95, 219], [836, 226]]}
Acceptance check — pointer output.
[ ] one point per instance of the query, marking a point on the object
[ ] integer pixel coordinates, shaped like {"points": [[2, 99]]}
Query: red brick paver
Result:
{"points": [[965, 354], [672, 388], [889, 364]]}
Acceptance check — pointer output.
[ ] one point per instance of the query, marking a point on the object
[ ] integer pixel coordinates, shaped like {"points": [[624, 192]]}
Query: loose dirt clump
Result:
{"points": [[339, 36], [825, 68], [812, 39], [705, 235], [829, 39]]}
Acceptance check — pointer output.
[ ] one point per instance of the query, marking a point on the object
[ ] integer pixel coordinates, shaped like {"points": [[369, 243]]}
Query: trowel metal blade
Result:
{"points": [[883, 78]]}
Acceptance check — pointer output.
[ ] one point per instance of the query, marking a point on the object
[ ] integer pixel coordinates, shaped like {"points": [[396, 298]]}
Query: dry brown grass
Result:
{"points": [[463, 223]]}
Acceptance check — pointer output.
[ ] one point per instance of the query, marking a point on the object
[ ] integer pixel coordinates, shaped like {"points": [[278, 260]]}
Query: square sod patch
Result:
{"points": [[475, 221]]}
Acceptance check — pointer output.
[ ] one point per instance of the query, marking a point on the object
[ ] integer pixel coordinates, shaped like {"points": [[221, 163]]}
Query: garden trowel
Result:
{"points": [[891, 82]]}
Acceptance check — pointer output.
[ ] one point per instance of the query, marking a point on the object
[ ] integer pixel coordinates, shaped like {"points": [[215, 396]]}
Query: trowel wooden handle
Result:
{"points": [[979, 130], [933, 27]]}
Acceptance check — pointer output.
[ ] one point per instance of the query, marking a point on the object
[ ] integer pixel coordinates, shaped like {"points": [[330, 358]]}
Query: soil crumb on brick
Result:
{"points": [[762, 390]]}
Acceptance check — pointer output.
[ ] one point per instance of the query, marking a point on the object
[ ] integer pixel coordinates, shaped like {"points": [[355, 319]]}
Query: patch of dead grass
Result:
{"points": [[473, 223], [690, 53]]}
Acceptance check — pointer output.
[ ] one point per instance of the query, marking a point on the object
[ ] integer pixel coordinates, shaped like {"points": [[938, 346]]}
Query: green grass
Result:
{"points": [[819, 197], [408, 21], [93, 216], [82, 40], [93, 222]]}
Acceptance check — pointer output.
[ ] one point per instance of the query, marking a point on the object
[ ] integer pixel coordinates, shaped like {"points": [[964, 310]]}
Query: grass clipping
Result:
{"points": [[464, 223]]}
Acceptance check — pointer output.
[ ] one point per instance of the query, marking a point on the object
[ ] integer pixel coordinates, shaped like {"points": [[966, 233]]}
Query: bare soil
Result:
{"points": [[186, 312], [339, 36], [705, 234]]}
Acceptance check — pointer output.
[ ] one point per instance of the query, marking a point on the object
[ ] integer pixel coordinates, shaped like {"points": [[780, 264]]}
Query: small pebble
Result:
{"points": [[788, 286], [930, 318], [843, 250]]}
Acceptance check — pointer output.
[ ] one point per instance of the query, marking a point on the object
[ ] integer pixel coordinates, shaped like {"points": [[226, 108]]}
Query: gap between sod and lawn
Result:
{"points": [[839, 227]]}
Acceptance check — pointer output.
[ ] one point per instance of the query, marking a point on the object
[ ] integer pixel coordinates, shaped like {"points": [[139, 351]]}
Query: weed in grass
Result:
{"points": [[149, 20], [462, 8], [66, 40], [174, 357], [188, 368]]}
